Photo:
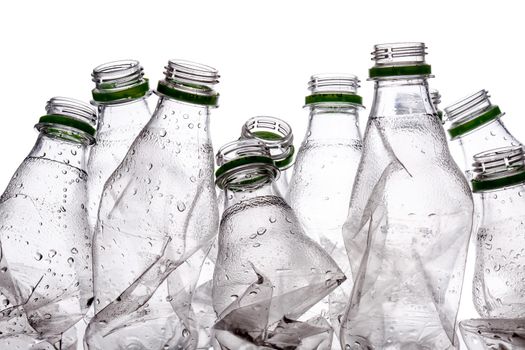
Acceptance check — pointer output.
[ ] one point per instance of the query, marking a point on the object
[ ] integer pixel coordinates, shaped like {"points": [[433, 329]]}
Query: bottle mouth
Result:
{"points": [[190, 82], [333, 88], [72, 118], [470, 113], [399, 60], [276, 134], [119, 81], [498, 168], [244, 165]]}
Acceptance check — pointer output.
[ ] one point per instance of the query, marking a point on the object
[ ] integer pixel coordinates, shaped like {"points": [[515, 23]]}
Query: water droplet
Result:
{"points": [[5, 302], [292, 232], [3, 269], [255, 245], [185, 333], [272, 219], [150, 166], [253, 236], [52, 253], [162, 132], [190, 125], [169, 298], [181, 206], [234, 297], [193, 179], [261, 231], [185, 116], [38, 256], [47, 316], [74, 251], [73, 152], [70, 261]]}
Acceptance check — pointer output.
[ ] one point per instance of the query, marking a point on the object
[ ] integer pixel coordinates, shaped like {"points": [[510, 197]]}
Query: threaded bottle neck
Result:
{"points": [[498, 168], [335, 90], [399, 60], [470, 113], [119, 81], [435, 98], [190, 82], [276, 134], [68, 118], [245, 165]]}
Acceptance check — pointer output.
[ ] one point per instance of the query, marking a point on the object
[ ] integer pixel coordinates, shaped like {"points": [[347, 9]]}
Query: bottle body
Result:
{"points": [[410, 217], [46, 239], [119, 125]]}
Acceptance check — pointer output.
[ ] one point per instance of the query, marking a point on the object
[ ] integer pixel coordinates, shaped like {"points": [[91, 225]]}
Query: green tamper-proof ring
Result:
{"points": [[389, 71], [333, 97], [67, 121], [492, 184], [137, 91], [286, 162], [205, 100], [461, 129], [243, 161]]}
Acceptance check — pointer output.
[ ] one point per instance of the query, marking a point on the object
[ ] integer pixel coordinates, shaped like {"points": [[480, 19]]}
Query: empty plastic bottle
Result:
{"points": [[488, 334], [499, 277], [474, 126], [120, 95], [435, 97], [278, 137], [261, 243], [410, 216], [45, 267], [158, 209], [324, 173]]}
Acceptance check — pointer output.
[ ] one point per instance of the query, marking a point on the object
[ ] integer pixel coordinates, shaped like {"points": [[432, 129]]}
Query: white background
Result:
{"points": [[265, 52]]}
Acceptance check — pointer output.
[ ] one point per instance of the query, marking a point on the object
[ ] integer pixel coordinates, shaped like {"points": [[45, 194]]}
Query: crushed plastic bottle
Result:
{"points": [[491, 334], [499, 277], [474, 126], [409, 218], [157, 213], [45, 267], [267, 268], [120, 95], [324, 172]]}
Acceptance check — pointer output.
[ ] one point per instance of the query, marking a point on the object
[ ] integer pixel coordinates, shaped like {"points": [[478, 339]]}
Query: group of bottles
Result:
{"points": [[110, 235]]}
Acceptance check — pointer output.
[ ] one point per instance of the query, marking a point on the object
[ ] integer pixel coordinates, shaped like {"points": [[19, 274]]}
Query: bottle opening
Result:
{"points": [[69, 117], [333, 88], [119, 81], [399, 59], [470, 113], [276, 134], [498, 168], [190, 82], [245, 165]]}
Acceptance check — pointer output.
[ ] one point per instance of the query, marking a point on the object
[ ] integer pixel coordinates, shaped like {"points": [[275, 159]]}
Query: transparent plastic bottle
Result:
{"points": [[474, 126], [324, 172], [120, 96], [158, 209], [499, 277], [260, 238], [488, 334], [45, 267], [410, 216], [278, 137]]}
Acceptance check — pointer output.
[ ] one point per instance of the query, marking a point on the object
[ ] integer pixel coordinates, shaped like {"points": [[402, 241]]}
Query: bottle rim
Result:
{"points": [[498, 168], [399, 60]]}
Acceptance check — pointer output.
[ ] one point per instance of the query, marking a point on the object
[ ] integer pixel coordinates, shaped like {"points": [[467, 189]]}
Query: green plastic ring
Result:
{"points": [[421, 69], [67, 121], [133, 92], [243, 161], [286, 162], [333, 97], [486, 185], [205, 100], [472, 124]]}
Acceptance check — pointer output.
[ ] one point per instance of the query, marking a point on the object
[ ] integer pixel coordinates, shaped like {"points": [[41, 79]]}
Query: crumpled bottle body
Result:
{"points": [[157, 211], [262, 237], [46, 276], [407, 234]]}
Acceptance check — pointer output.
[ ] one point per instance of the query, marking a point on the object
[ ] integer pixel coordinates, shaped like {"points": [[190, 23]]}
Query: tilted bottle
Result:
{"points": [[260, 236], [435, 97], [474, 126], [46, 277], [157, 209], [499, 277], [324, 172], [410, 216], [120, 96]]}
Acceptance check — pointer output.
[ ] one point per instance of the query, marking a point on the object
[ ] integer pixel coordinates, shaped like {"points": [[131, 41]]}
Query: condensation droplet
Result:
{"points": [[38, 256], [181, 206], [272, 219], [261, 231], [70, 261], [74, 251]]}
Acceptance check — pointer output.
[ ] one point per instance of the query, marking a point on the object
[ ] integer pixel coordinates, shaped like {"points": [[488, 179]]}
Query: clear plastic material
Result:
{"points": [[268, 272], [119, 124], [408, 226], [45, 267], [499, 277], [484, 136], [157, 215], [435, 97], [492, 334], [323, 177]]}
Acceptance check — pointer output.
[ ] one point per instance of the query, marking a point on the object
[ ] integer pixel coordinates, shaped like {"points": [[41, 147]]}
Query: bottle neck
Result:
{"points": [[235, 197], [189, 123], [119, 116], [333, 122], [56, 149], [502, 203], [398, 97]]}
